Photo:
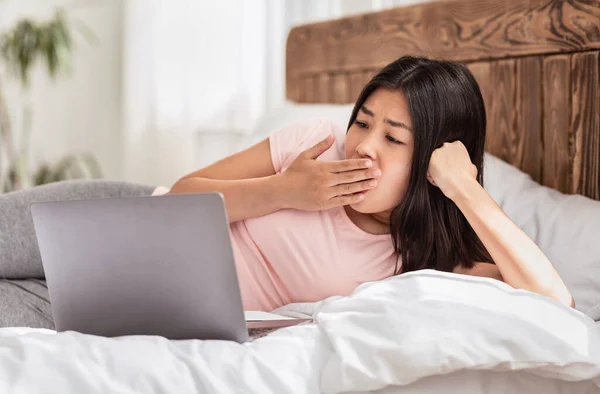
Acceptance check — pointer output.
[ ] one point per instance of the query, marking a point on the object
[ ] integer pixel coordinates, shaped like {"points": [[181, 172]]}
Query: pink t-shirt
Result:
{"points": [[305, 256]]}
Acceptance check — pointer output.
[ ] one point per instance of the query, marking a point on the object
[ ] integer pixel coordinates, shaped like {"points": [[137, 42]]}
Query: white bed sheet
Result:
{"points": [[420, 332], [490, 382]]}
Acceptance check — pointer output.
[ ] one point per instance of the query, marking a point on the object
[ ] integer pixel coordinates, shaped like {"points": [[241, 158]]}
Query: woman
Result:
{"points": [[316, 210]]}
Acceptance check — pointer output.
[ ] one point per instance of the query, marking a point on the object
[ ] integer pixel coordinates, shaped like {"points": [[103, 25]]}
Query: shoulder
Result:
{"points": [[338, 150], [487, 270], [289, 141], [313, 130]]}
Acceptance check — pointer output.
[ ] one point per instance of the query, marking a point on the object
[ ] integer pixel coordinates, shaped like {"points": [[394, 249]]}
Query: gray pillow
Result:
{"points": [[19, 253], [566, 227]]}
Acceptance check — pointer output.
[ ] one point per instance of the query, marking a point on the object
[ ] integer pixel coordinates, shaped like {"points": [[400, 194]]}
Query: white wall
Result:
{"points": [[81, 112]]}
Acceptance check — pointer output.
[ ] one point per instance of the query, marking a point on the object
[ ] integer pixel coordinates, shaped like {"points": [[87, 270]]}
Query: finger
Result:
{"points": [[346, 200], [354, 176], [318, 149], [348, 165], [351, 188]]}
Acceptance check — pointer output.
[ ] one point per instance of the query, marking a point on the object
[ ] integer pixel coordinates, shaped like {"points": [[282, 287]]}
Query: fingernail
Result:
{"points": [[376, 172], [367, 163], [372, 183]]}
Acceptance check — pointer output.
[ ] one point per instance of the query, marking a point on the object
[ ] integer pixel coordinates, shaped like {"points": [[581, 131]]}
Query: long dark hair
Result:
{"points": [[445, 105]]}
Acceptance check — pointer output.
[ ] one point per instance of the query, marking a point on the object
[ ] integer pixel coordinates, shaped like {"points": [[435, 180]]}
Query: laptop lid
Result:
{"points": [[141, 266]]}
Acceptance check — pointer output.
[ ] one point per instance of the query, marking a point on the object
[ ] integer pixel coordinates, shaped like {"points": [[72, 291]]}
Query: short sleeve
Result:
{"points": [[288, 142]]}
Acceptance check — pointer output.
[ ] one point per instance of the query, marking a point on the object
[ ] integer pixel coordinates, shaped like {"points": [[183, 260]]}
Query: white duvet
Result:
{"points": [[424, 331]]}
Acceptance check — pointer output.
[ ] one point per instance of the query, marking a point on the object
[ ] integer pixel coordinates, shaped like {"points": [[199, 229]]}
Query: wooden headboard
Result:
{"points": [[537, 63]]}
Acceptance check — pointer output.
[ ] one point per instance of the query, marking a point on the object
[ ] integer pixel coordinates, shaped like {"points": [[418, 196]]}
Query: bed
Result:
{"points": [[537, 63]]}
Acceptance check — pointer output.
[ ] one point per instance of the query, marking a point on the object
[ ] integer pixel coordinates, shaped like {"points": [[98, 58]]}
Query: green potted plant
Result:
{"points": [[20, 48]]}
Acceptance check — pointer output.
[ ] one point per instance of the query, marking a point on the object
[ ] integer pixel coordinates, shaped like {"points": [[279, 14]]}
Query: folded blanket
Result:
{"points": [[19, 253], [25, 303]]}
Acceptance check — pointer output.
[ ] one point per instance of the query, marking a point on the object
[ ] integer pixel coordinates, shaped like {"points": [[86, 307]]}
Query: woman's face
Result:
{"points": [[382, 132]]}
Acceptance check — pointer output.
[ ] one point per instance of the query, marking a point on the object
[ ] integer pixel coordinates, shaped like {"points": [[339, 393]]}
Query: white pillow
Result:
{"points": [[427, 323], [566, 227], [290, 113]]}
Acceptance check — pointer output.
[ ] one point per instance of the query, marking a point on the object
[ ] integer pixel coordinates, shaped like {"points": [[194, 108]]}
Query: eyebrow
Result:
{"points": [[393, 123]]}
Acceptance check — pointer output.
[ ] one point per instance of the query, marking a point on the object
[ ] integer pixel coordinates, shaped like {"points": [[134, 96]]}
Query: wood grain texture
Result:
{"points": [[500, 109], [481, 72], [557, 119], [309, 93], [324, 87], [526, 142], [463, 30], [358, 80], [341, 88], [585, 125]]}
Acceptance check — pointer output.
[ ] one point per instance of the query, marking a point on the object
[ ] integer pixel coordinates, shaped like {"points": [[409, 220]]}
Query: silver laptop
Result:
{"points": [[141, 266]]}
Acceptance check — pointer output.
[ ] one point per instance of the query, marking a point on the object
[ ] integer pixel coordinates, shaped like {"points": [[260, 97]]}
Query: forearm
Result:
{"points": [[520, 261], [244, 198]]}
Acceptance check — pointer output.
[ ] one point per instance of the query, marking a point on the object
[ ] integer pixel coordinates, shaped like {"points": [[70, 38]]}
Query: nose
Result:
{"points": [[367, 147]]}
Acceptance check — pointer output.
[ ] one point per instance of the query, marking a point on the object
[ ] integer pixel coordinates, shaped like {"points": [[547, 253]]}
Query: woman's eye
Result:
{"points": [[392, 139], [362, 125]]}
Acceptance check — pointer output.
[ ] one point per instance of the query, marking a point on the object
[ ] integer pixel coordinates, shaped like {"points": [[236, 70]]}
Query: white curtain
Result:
{"points": [[198, 74], [191, 68]]}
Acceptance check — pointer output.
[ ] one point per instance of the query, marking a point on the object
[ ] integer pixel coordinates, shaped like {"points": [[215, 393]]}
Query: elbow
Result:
{"points": [[568, 301], [181, 186], [192, 185], [175, 188], [556, 289], [561, 295]]}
